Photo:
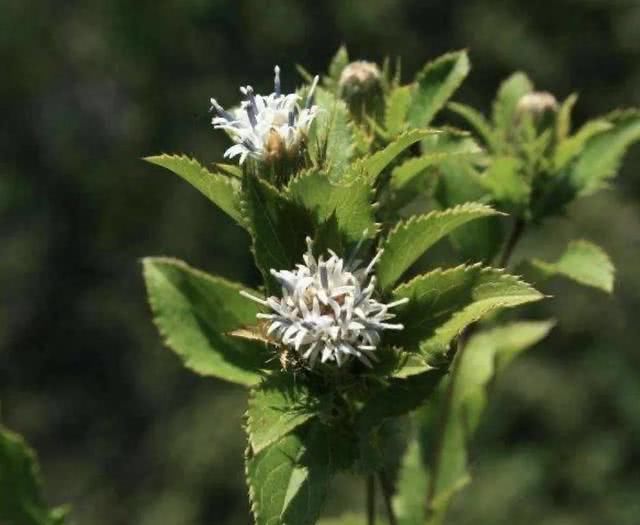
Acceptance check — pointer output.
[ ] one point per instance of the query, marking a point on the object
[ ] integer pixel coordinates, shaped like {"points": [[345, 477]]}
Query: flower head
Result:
{"points": [[327, 310], [266, 127]]}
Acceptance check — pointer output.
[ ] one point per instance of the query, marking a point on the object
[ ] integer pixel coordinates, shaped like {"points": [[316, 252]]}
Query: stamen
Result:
{"points": [[220, 110], [373, 262], [276, 81], [253, 298]]}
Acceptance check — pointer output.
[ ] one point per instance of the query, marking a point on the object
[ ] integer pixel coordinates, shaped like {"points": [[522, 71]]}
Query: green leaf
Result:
{"points": [[504, 106], [345, 519], [337, 64], [507, 183], [571, 147], [412, 487], [21, 499], [288, 481], [602, 154], [444, 302], [399, 397], [331, 137], [410, 239], [563, 119], [460, 182], [278, 226], [436, 83], [223, 191], [376, 163], [193, 311], [276, 407], [397, 106], [478, 122], [473, 371], [458, 147], [350, 202], [583, 262]]}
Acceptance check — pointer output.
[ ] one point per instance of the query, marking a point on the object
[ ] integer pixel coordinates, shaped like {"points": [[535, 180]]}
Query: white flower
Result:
{"points": [[327, 311], [264, 126]]}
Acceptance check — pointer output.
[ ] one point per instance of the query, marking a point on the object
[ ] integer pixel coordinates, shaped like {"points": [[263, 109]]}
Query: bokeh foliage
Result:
{"points": [[88, 89]]}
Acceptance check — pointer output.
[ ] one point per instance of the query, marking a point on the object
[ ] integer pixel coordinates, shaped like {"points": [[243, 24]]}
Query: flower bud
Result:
{"points": [[537, 104], [360, 86], [538, 108]]}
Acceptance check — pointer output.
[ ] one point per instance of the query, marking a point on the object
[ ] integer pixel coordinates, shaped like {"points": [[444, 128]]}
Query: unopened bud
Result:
{"points": [[360, 86], [360, 76], [537, 103]]}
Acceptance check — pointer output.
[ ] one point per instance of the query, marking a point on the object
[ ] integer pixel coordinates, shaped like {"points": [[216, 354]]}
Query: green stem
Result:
{"points": [[514, 236], [387, 491], [371, 500]]}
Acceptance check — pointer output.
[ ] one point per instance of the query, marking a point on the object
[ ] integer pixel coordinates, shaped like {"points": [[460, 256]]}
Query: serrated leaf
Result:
{"points": [[232, 170], [397, 106], [571, 147], [602, 154], [223, 191], [507, 183], [276, 407], [436, 83], [412, 487], [461, 148], [473, 370], [478, 122], [193, 311], [563, 119], [410, 239], [288, 481], [331, 137], [459, 182], [583, 262], [399, 397], [504, 106], [350, 202], [278, 227], [337, 64], [444, 302], [21, 499], [376, 163]]}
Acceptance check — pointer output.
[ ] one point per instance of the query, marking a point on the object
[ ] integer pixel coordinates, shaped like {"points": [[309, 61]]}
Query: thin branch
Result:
{"points": [[514, 236], [387, 491], [371, 500]]}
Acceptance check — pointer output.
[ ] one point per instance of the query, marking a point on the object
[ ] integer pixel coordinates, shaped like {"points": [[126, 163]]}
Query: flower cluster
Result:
{"points": [[266, 127], [326, 310]]}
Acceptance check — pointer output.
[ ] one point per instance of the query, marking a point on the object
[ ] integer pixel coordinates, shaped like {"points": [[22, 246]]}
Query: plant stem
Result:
{"points": [[387, 490], [371, 500], [514, 236]]}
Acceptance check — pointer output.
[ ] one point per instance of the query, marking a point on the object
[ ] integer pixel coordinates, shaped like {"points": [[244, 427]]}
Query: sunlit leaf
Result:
{"points": [[193, 311], [223, 191], [410, 239], [436, 83]]}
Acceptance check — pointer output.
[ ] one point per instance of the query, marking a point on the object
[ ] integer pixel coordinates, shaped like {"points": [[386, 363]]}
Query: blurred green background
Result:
{"points": [[125, 434]]}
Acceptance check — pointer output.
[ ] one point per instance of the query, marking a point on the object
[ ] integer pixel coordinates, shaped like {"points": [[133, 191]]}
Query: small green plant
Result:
{"points": [[356, 354]]}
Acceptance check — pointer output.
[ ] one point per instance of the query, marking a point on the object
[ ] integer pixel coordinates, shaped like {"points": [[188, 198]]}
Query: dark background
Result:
{"points": [[125, 434]]}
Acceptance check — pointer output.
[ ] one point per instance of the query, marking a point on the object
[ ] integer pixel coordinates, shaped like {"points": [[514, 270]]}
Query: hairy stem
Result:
{"points": [[371, 500], [387, 491]]}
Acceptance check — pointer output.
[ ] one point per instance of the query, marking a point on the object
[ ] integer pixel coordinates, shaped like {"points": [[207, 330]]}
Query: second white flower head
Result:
{"points": [[327, 310], [264, 126]]}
